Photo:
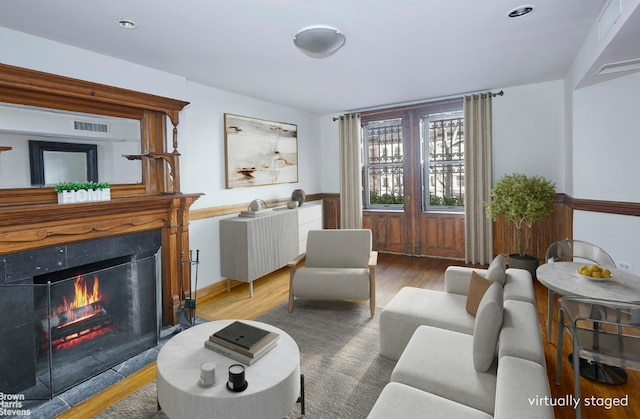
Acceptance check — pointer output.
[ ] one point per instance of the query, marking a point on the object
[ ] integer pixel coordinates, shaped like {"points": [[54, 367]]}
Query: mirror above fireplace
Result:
{"points": [[145, 114], [64, 141]]}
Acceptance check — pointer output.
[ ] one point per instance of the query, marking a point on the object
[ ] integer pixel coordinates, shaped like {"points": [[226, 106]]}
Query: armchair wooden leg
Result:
{"points": [[372, 289], [292, 272], [291, 297]]}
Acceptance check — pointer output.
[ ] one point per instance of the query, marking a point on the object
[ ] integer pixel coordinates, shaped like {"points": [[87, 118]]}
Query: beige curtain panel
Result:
{"points": [[350, 172], [478, 179]]}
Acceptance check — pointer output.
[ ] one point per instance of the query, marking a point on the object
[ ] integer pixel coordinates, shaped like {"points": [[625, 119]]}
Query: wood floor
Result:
{"points": [[394, 272]]}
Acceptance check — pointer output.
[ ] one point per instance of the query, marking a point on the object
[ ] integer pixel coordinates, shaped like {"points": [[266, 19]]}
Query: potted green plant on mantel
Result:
{"points": [[522, 200], [77, 192]]}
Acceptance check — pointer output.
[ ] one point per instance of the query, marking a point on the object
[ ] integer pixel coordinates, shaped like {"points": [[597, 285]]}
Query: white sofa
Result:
{"points": [[452, 364]]}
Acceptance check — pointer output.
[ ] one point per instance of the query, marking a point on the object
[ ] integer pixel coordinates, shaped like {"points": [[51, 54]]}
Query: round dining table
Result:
{"points": [[563, 278]]}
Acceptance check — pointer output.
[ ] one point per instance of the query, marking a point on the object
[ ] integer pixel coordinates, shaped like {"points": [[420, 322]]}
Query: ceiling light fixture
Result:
{"points": [[126, 23], [521, 11], [319, 41]]}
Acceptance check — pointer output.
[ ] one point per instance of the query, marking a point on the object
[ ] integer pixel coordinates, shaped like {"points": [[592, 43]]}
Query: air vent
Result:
{"points": [[90, 126], [619, 67], [608, 17]]}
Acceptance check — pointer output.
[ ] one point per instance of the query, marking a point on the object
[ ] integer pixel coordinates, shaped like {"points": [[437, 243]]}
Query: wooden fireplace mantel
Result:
{"points": [[28, 227]]}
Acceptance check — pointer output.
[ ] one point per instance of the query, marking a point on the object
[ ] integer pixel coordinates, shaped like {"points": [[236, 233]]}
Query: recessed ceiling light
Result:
{"points": [[521, 11], [126, 23]]}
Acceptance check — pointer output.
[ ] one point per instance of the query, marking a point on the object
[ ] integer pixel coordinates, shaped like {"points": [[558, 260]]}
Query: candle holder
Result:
{"points": [[237, 381]]}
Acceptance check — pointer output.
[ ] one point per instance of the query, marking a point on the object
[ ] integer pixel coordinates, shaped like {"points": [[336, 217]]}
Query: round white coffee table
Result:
{"points": [[273, 380]]}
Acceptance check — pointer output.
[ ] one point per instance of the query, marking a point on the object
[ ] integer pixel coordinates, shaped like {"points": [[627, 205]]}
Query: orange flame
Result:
{"points": [[82, 299]]}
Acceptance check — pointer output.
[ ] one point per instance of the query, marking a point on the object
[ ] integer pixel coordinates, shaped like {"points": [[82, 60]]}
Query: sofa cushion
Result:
{"points": [[496, 270], [520, 332], [519, 286], [440, 362], [401, 401], [331, 283], [487, 328], [346, 248], [456, 278], [413, 307], [477, 287], [521, 389]]}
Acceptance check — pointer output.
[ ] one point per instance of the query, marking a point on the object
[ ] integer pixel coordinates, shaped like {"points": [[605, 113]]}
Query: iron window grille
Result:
{"points": [[442, 138]]}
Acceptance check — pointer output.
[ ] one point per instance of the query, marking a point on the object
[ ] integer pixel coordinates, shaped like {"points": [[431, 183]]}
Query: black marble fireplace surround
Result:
{"points": [[39, 358]]}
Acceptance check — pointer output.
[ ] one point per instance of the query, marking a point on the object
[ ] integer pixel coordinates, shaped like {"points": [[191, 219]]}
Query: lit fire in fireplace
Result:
{"points": [[84, 304], [82, 319]]}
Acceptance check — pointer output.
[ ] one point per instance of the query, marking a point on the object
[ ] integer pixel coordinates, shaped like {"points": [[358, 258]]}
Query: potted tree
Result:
{"points": [[522, 200]]}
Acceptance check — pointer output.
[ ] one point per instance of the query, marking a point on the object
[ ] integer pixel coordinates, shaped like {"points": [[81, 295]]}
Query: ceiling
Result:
{"points": [[396, 51]]}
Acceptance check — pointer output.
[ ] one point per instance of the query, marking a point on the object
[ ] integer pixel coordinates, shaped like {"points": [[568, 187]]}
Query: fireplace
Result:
{"points": [[68, 313]]}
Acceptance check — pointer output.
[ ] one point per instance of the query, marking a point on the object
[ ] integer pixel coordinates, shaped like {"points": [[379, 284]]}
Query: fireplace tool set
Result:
{"points": [[188, 319]]}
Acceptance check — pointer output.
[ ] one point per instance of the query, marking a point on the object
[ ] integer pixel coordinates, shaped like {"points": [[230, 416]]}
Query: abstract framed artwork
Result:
{"points": [[259, 152]]}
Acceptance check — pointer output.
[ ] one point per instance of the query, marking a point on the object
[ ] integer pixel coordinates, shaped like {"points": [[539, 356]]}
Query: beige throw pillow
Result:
{"points": [[477, 287]]}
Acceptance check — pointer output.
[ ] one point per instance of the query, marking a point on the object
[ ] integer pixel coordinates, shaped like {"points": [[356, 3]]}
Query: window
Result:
{"points": [[414, 151], [442, 137], [383, 164]]}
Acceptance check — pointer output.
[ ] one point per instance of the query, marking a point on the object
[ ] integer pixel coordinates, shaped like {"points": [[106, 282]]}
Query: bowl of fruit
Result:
{"points": [[595, 272]]}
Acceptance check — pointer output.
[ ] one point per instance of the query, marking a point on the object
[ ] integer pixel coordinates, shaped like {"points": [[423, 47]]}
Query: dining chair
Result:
{"points": [[575, 251], [604, 333]]}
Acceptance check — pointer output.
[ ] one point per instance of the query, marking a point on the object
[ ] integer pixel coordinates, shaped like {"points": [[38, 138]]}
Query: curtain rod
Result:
{"points": [[493, 94]]}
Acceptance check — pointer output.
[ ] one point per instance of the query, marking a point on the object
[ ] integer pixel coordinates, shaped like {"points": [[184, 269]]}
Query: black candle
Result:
{"points": [[236, 378]]}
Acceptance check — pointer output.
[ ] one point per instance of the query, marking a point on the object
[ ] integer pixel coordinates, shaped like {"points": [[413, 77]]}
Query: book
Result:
{"points": [[253, 214], [237, 355], [248, 352], [241, 334]]}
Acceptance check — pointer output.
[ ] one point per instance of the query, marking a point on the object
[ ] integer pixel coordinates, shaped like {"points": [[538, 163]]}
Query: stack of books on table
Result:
{"points": [[242, 342]]}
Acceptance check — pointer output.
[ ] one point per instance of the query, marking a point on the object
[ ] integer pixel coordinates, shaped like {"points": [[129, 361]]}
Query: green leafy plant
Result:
{"points": [[522, 200], [374, 198], [76, 186], [449, 201]]}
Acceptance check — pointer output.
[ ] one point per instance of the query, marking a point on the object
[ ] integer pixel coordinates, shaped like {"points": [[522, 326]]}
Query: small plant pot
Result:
{"points": [[84, 195]]}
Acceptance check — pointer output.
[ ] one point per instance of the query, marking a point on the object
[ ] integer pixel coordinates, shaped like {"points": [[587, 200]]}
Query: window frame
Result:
{"points": [[426, 165], [367, 165], [413, 173]]}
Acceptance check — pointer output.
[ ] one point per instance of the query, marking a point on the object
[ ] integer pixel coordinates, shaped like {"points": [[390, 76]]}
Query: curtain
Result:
{"points": [[350, 172], [478, 180]]}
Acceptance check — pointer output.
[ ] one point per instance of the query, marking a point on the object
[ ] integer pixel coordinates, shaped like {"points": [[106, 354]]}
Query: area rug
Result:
{"points": [[338, 341]]}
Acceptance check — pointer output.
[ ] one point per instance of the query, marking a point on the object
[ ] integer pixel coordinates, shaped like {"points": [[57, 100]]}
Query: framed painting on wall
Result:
{"points": [[259, 152]]}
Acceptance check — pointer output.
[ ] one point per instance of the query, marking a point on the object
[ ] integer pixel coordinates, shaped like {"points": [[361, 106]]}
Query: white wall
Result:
{"points": [[606, 146], [40, 54], [528, 132]]}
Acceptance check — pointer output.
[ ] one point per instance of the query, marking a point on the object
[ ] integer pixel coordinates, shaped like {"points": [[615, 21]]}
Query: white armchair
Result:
{"points": [[339, 264]]}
